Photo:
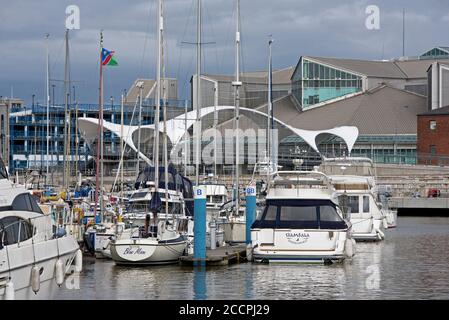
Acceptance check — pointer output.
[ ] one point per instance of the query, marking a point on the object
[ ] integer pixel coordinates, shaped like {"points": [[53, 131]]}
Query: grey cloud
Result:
{"points": [[299, 27]]}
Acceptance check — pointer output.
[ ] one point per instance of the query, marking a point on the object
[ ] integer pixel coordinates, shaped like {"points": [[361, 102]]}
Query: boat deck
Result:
{"points": [[221, 256]]}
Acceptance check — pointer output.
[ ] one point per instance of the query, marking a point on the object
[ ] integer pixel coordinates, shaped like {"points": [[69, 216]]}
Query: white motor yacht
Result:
{"points": [[361, 167], [301, 222], [358, 201], [35, 254]]}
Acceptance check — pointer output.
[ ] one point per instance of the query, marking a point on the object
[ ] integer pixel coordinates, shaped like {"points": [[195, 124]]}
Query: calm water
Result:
{"points": [[413, 263]]}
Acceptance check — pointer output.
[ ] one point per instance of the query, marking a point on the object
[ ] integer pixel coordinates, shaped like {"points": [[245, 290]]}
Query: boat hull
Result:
{"points": [[146, 251], [299, 246], [367, 229], [46, 256]]}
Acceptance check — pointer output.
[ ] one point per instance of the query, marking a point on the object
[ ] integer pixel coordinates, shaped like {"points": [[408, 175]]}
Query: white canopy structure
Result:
{"points": [[176, 129]]}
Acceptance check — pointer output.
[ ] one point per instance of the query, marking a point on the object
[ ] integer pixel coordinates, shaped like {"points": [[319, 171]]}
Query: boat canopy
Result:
{"points": [[176, 182], [299, 214]]}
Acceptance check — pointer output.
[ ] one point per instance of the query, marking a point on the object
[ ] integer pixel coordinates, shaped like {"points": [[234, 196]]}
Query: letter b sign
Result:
{"points": [[372, 22]]}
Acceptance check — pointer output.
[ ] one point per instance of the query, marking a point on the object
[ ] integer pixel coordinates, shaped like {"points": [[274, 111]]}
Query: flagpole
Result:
{"points": [[47, 82]]}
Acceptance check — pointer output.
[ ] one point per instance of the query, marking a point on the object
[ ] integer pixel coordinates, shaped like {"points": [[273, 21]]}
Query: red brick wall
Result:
{"points": [[438, 137]]}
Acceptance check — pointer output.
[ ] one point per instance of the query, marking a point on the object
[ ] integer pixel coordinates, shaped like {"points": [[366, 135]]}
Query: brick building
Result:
{"points": [[433, 137]]}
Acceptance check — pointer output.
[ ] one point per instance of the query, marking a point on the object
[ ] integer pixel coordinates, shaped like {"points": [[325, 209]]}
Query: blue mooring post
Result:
{"points": [[250, 210], [199, 227]]}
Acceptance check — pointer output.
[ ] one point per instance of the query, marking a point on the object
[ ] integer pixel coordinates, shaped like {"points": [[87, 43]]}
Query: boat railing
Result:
{"points": [[300, 179]]}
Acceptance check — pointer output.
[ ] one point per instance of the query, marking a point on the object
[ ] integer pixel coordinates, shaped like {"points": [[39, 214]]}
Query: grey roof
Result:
{"points": [[383, 110], [281, 76], [396, 69], [133, 92], [437, 112], [370, 68]]}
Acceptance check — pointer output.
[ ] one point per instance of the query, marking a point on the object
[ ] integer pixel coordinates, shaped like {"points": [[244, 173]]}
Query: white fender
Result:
{"points": [[9, 291], [380, 234], [249, 252], [78, 261], [349, 249], [59, 272], [35, 279], [385, 222]]}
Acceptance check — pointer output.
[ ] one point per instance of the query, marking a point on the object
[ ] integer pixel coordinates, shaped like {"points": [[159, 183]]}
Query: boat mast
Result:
{"points": [[198, 93], [140, 85], [215, 128], [66, 117], [270, 126], [47, 82], [270, 102], [121, 147], [99, 160], [164, 97], [158, 99], [237, 85]]}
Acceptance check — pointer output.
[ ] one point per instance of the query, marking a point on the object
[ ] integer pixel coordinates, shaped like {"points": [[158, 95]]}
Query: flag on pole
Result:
{"points": [[107, 58]]}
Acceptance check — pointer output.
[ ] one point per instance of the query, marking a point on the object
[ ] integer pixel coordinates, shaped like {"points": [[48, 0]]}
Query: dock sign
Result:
{"points": [[199, 192], [251, 191]]}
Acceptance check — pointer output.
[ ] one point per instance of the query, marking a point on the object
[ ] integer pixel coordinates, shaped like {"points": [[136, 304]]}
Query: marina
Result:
{"points": [[323, 180], [400, 274]]}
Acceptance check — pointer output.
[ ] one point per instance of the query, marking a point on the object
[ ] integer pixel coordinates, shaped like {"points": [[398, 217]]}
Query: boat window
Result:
{"points": [[298, 213], [14, 230], [139, 195], [329, 214], [25, 202], [136, 207], [306, 214], [365, 204], [351, 203], [270, 214]]}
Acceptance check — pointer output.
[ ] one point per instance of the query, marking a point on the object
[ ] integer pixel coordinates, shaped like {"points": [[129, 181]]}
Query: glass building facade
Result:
{"points": [[28, 130], [313, 83], [385, 149], [435, 53]]}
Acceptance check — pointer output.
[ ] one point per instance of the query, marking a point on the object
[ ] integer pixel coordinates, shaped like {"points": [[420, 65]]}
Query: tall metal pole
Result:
{"points": [[198, 94], [160, 23], [66, 92], [121, 144], [98, 182], [138, 130], [403, 32], [237, 85], [186, 142], [47, 82], [76, 140], [215, 127], [270, 103], [164, 97]]}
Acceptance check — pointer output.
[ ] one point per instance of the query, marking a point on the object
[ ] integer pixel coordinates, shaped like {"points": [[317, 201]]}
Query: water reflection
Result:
{"points": [[410, 264]]}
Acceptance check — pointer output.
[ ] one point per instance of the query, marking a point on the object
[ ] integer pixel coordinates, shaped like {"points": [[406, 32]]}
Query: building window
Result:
{"points": [[433, 125], [433, 150]]}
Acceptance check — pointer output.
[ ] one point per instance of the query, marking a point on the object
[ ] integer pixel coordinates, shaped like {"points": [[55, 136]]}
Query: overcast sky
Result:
{"points": [[300, 27]]}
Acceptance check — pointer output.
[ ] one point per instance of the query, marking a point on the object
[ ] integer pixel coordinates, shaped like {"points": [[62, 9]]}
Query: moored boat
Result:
{"points": [[301, 222]]}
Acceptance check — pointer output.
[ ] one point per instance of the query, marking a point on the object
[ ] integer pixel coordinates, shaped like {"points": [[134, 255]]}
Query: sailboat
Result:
{"points": [[234, 226], [160, 240]]}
